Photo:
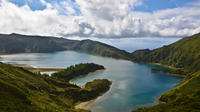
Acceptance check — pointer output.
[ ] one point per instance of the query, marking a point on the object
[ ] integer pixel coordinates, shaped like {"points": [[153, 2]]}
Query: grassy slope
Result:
{"points": [[16, 43], [22, 91], [184, 55]]}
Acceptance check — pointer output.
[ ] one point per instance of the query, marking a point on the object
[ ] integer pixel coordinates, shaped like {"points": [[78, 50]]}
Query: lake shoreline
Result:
{"points": [[85, 75], [83, 105], [30, 68], [168, 73]]}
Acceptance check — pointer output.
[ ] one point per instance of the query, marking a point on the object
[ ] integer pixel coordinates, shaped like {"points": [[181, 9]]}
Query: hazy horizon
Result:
{"points": [[134, 43]]}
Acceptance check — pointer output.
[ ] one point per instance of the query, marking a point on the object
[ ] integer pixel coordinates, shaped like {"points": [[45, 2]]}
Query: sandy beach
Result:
{"points": [[83, 105]]}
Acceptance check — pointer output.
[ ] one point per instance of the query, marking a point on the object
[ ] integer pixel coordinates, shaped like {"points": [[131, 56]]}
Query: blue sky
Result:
{"points": [[34, 4], [101, 18], [147, 5], [154, 5]]}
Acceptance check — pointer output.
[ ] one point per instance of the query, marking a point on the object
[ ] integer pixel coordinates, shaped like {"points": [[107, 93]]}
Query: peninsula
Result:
{"points": [[24, 91]]}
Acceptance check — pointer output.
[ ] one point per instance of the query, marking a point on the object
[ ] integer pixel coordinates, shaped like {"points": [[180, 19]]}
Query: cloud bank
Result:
{"points": [[99, 18]]}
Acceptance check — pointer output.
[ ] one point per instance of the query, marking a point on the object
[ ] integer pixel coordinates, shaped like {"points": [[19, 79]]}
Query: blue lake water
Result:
{"points": [[133, 85]]}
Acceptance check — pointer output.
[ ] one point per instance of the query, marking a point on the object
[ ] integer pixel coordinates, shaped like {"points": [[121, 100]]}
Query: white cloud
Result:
{"points": [[108, 17], [101, 18], [24, 20], [48, 5]]}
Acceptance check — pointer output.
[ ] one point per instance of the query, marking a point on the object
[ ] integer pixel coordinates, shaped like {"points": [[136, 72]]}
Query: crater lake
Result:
{"points": [[133, 85]]}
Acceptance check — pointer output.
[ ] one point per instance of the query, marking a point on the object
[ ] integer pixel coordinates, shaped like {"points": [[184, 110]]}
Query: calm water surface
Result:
{"points": [[133, 85]]}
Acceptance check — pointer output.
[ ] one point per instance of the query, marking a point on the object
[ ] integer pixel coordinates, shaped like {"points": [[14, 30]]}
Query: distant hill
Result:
{"points": [[184, 53], [16, 43], [98, 48]]}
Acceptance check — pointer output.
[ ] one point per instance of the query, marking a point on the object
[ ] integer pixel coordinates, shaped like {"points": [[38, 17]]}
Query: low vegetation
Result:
{"points": [[76, 71]]}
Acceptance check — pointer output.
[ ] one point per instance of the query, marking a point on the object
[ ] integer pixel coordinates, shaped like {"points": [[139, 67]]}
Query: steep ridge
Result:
{"points": [[184, 53]]}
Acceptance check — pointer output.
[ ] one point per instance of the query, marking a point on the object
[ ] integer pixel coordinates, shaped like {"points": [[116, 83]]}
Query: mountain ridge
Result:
{"points": [[17, 43], [184, 53]]}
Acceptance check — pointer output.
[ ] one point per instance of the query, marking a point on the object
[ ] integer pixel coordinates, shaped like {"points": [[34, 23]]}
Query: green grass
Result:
{"points": [[24, 91]]}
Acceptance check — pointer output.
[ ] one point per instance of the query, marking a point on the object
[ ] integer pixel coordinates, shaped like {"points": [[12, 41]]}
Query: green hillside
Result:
{"points": [[24, 91], [182, 54], [16, 43], [184, 58], [98, 48]]}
